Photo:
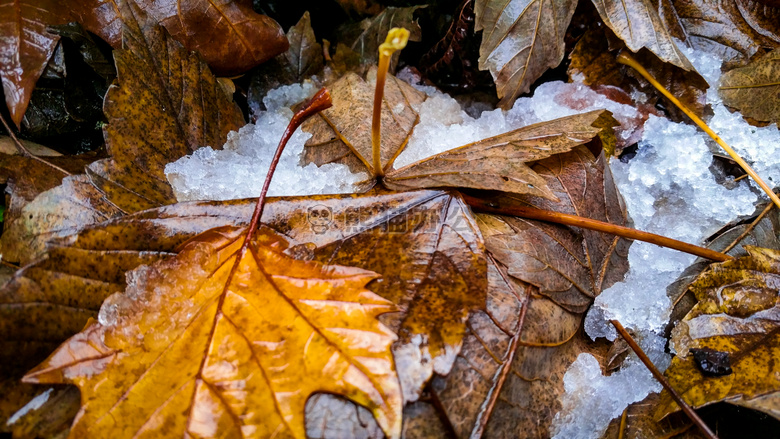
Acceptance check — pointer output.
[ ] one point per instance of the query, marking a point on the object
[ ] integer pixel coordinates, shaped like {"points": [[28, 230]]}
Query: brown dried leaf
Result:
{"points": [[638, 24], [520, 41], [26, 47], [342, 133], [734, 30], [508, 377], [641, 425], [500, 162], [47, 415], [165, 104], [195, 345], [737, 313], [754, 89]]}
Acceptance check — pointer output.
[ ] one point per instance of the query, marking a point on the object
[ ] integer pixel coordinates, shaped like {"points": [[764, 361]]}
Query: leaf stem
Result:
{"points": [[396, 39], [625, 58], [24, 151], [749, 228], [591, 224], [319, 102], [661, 379]]}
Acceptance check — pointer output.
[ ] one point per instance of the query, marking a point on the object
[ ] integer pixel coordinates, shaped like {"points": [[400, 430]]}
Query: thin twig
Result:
{"points": [[749, 228], [397, 38], [741, 177], [600, 226], [24, 151], [625, 58], [661, 379]]}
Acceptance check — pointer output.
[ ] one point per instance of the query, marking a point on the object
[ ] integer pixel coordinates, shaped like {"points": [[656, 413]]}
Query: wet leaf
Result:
{"points": [[638, 24], [26, 47], [165, 104], [342, 134], [229, 34], [520, 41], [754, 89], [238, 348], [303, 59], [734, 30], [641, 425], [509, 374], [737, 314], [366, 36], [594, 63], [500, 162]]}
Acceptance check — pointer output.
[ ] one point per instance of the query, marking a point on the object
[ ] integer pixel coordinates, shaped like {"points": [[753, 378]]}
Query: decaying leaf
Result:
{"points": [[230, 347], [366, 36], [640, 424], [27, 47], [59, 211], [738, 314], [342, 134], [302, 59], [754, 89], [499, 162], [542, 277], [638, 24], [734, 30], [520, 41], [594, 63], [165, 104], [230, 35]]}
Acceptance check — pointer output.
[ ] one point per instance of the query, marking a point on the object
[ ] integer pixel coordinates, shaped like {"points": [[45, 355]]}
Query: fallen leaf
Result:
{"points": [[27, 47], [363, 7], [737, 314], [733, 30], [47, 415], [500, 162], [59, 211], [638, 24], [302, 59], [594, 63], [250, 374], [640, 424], [542, 277], [520, 41], [342, 134], [754, 90], [229, 34], [164, 104], [366, 36]]}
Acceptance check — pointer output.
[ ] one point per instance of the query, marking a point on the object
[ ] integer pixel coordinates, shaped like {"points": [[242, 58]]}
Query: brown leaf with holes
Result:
{"points": [[734, 30], [737, 314], [520, 41], [27, 47], [219, 341], [639, 25], [164, 104], [542, 277], [754, 90], [342, 134]]}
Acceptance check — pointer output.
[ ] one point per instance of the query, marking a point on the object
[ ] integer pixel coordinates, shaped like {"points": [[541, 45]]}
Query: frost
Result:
{"points": [[239, 170]]}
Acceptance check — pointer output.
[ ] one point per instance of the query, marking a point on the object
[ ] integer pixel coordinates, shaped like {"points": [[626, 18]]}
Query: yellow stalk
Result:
{"points": [[396, 39], [625, 58]]}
